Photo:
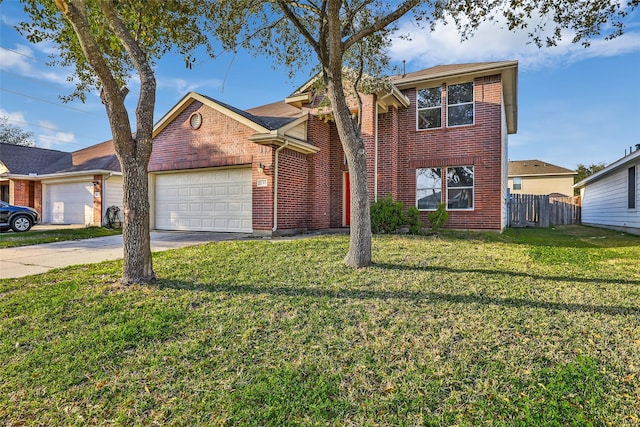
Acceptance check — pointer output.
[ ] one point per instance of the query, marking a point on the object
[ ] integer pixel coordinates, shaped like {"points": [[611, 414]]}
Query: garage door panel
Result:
{"points": [[205, 201], [70, 203]]}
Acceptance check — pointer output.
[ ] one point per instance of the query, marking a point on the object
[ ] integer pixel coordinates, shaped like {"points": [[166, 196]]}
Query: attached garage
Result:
{"points": [[69, 203], [212, 200]]}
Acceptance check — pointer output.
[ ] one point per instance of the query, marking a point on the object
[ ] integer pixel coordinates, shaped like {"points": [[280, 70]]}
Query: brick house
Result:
{"points": [[65, 188], [437, 135]]}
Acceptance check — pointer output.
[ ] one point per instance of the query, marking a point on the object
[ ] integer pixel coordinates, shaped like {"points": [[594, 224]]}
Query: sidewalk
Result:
{"points": [[26, 260]]}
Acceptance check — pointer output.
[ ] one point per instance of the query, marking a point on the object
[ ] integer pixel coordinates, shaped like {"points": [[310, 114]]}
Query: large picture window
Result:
{"points": [[460, 104], [460, 187], [430, 108], [428, 188]]}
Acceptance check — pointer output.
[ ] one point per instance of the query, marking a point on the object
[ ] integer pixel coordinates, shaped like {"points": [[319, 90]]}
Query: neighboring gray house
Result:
{"points": [[611, 197]]}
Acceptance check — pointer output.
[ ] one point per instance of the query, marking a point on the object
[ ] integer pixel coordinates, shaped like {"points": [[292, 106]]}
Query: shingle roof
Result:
{"points": [[450, 69], [101, 156], [276, 114], [536, 167], [23, 160], [270, 116]]}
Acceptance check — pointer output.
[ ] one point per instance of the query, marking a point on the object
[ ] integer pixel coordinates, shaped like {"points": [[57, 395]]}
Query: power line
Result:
{"points": [[50, 128], [25, 55], [49, 102]]}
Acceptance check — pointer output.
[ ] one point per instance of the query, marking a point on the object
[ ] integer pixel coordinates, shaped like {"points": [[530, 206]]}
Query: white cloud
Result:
{"points": [[51, 139], [182, 86], [18, 59], [22, 60], [16, 117], [51, 136], [493, 42]]}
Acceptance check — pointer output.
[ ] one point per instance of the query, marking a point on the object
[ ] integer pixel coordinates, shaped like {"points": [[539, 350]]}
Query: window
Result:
{"points": [[430, 108], [428, 188], [517, 183], [460, 187], [632, 187], [460, 104]]}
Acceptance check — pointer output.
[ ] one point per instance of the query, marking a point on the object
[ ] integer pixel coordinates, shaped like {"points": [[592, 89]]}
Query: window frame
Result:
{"points": [[427, 188], [519, 184], [472, 103], [472, 187], [418, 109], [632, 190]]}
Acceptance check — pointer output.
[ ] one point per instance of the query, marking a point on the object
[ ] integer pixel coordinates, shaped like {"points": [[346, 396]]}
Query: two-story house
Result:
{"points": [[434, 136], [538, 177]]}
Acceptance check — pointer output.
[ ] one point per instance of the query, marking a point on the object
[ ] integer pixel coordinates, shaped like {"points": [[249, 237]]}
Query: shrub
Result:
{"points": [[413, 219], [439, 217], [386, 215]]}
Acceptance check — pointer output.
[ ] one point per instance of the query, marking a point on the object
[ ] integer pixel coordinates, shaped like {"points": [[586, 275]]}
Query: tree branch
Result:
{"points": [[144, 114], [381, 23], [296, 22]]}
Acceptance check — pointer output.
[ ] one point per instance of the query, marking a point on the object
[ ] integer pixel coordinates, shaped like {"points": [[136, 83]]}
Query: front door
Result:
{"points": [[347, 201]]}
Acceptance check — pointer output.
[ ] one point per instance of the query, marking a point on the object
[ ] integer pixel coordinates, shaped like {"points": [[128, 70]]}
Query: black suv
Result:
{"points": [[19, 218]]}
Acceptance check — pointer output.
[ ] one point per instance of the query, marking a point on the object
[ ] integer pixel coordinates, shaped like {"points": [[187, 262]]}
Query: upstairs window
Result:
{"points": [[632, 187], [517, 184], [460, 104], [460, 188], [430, 108]]}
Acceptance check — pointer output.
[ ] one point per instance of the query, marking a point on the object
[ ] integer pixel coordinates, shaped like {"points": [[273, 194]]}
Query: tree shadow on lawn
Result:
{"points": [[417, 296]]}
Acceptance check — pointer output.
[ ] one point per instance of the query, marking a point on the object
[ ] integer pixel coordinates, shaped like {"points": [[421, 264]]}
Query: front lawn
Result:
{"points": [[530, 328], [10, 239]]}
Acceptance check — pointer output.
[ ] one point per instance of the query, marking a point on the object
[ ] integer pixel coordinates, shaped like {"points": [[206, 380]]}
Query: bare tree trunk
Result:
{"points": [[138, 266], [133, 152], [359, 254]]}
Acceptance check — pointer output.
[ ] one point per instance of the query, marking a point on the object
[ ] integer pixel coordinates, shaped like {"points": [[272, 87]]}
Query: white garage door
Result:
{"points": [[69, 203], [204, 201]]}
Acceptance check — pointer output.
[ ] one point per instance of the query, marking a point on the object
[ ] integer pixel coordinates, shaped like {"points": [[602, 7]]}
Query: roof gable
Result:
{"points": [[262, 119]]}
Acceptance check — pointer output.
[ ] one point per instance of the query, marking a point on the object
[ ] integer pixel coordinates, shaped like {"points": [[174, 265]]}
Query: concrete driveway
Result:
{"points": [[26, 260]]}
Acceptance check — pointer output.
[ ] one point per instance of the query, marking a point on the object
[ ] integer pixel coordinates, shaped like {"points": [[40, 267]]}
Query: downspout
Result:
{"points": [[375, 155], [275, 188]]}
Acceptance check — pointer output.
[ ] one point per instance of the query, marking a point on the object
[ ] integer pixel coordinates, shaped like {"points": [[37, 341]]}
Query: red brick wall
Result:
{"points": [[19, 192], [320, 179], [478, 145], [220, 141], [294, 199]]}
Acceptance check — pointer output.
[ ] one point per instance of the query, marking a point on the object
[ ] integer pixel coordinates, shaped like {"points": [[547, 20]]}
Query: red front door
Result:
{"points": [[347, 200]]}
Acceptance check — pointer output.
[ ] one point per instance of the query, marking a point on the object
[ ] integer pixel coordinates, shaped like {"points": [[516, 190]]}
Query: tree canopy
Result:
{"points": [[11, 134]]}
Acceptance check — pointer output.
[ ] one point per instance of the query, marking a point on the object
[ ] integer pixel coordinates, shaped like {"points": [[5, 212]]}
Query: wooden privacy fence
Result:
{"points": [[528, 210]]}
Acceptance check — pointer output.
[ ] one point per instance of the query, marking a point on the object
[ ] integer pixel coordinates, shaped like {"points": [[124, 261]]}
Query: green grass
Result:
{"points": [[10, 239], [529, 328]]}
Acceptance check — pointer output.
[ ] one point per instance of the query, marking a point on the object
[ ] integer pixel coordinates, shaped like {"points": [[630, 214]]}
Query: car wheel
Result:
{"points": [[21, 223]]}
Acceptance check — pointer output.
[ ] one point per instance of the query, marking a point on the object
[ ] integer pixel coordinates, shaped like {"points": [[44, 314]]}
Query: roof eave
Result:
{"points": [[38, 177], [609, 169], [274, 138]]}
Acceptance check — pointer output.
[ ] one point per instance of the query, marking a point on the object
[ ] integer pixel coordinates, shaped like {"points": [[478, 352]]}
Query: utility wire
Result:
{"points": [[49, 102], [50, 128]]}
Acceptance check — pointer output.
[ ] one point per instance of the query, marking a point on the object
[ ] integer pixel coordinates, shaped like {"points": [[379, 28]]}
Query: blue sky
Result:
{"points": [[576, 104]]}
